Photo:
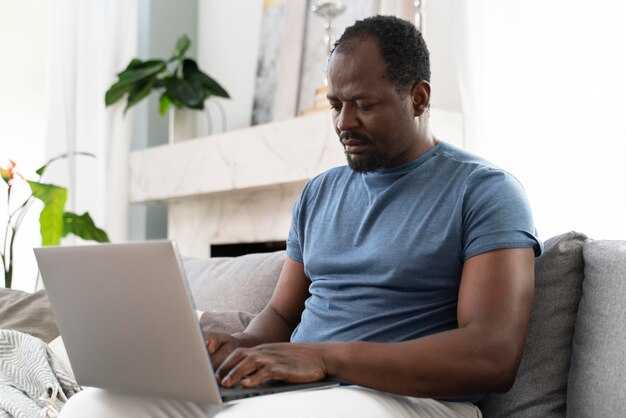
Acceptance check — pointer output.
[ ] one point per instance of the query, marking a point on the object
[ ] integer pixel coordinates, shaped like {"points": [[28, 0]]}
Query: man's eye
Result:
{"points": [[364, 107], [335, 107]]}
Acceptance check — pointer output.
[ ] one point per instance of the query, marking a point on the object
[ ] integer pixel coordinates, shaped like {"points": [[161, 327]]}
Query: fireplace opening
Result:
{"points": [[234, 250]]}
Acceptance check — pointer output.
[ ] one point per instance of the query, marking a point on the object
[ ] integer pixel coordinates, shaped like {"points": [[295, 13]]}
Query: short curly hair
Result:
{"points": [[401, 46]]}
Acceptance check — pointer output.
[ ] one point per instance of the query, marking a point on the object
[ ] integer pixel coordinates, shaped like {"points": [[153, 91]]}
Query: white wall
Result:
{"points": [[545, 89], [443, 61], [228, 41]]}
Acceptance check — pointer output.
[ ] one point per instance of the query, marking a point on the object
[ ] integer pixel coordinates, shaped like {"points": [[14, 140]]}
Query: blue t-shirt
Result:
{"points": [[385, 250]]}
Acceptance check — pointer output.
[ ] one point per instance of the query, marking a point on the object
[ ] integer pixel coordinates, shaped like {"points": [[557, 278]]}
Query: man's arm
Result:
{"points": [[482, 355], [282, 314], [275, 322]]}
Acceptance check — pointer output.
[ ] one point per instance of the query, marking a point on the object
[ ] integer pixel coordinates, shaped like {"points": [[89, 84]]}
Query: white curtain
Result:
{"points": [[543, 86], [90, 41]]}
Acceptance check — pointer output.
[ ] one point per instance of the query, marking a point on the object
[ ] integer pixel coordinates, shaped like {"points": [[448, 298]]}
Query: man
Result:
{"points": [[410, 272]]}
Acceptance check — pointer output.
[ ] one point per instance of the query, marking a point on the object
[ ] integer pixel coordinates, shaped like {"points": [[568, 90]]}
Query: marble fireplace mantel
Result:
{"points": [[267, 155], [240, 186]]}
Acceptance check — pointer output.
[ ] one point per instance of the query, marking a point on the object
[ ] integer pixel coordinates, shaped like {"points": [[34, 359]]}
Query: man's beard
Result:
{"points": [[375, 162]]}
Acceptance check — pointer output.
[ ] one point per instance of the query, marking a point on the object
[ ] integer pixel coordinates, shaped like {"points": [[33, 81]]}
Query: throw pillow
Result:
{"points": [[540, 389], [597, 379], [29, 313], [241, 284]]}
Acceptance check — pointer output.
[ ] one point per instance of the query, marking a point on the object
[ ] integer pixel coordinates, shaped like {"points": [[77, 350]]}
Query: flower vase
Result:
{"points": [[182, 124]]}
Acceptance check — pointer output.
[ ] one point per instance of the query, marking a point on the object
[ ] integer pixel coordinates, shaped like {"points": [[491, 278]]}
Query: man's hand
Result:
{"points": [[293, 363], [221, 344]]}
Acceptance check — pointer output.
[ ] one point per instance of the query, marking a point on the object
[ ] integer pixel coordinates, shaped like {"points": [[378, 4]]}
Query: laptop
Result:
{"points": [[128, 322]]}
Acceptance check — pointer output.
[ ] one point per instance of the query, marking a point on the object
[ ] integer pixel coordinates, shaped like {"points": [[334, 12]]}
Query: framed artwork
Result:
{"points": [[279, 60]]}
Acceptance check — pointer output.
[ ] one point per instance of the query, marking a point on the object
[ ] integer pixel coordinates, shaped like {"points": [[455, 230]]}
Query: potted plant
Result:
{"points": [[55, 223], [178, 79]]}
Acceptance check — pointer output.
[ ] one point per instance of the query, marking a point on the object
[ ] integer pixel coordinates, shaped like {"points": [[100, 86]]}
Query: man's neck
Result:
{"points": [[426, 141]]}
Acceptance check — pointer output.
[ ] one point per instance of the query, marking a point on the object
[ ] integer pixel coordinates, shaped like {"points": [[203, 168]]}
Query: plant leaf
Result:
{"points": [[51, 218], [83, 227], [212, 87], [164, 104], [159, 82], [188, 93], [137, 71], [139, 91], [141, 71], [115, 93], [134, 63], [182, 45]]}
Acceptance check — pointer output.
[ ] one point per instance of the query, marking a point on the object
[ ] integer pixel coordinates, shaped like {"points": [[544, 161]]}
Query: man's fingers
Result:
{"points": [[213, 344], [237, 366], [262, 375], [219, 345], [215, 340], [241, 364], [219, 356]]}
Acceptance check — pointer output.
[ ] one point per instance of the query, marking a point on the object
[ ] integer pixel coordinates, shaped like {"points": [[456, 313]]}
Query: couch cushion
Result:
{"points": [[237, 284], [597, 379], [27, 312], [540, 389]]}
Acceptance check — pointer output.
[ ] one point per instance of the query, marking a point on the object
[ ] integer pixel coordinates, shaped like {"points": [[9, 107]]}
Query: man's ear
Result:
{"points": [[420, 96]]}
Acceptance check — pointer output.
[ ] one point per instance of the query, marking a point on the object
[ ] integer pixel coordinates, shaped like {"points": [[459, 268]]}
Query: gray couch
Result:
{"points": [[574, 363]]}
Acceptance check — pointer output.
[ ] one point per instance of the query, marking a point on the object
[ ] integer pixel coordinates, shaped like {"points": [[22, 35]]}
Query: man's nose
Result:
{"points": [[347, 119]]}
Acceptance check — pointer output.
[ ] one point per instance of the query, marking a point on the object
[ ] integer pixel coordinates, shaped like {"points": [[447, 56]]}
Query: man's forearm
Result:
{"points": [[453, 363]]}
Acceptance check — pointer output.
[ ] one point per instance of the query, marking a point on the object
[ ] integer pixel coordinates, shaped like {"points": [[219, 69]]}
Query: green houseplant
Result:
{"points": [[55, 223], [179, 80]]}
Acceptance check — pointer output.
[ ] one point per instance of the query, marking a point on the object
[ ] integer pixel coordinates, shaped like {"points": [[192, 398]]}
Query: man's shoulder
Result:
{"points": [[476, 168], [462, 157]]}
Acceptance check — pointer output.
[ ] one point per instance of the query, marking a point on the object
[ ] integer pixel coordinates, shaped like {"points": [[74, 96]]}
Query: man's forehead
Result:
{"points": [[359, 54], [354, 45], [353, 97], [349, 68]]}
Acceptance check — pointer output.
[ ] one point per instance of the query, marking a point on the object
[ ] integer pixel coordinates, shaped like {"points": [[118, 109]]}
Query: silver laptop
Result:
{"points": [[128, 322]]}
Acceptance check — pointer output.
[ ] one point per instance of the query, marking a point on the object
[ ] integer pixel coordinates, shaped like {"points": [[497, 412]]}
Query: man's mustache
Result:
{"points": [[346, 135]]}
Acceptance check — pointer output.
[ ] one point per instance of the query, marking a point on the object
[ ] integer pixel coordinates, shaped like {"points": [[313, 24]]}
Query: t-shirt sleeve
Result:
{"points": [[496, 214], [294, 248]]}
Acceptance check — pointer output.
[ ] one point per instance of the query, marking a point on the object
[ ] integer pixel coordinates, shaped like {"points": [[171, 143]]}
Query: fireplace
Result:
{"points": [[237, 249]]}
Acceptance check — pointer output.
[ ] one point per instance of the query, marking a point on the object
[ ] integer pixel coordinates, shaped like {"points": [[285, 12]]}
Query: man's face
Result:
{"points": [[375, 124]]}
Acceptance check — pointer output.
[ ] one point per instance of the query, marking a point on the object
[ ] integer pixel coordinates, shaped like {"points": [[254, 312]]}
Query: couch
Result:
{"points": [[574, 363]]}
